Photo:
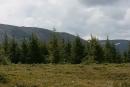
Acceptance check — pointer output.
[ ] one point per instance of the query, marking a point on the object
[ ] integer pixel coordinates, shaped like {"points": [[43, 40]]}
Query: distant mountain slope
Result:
{"points": [[122, 45], [45, 34], [20, 32]]}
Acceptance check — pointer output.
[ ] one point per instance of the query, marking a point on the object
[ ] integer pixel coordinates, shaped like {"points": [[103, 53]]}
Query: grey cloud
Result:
{"points": [[83, 17], [115, 3], [99, 2], [114, 13]]}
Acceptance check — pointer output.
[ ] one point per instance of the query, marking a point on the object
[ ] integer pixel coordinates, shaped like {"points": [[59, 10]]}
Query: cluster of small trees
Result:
{"points": [[58, 51]]}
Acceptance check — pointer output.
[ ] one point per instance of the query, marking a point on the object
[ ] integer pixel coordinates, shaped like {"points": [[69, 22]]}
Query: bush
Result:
{"points": [[23, 84], [121, 84], [88, 60], [4, 78], [4, 60]]}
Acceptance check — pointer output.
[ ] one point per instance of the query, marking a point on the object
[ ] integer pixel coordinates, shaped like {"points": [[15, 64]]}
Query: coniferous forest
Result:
{"points": [[58, 51]]}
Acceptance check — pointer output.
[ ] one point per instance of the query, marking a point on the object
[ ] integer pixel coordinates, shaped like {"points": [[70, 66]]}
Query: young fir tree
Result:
{"points": [[128, 53], [24, 51], [6, 45], [87, 59], [62, 53], [115, 55], [44, 52], [125, 57], [14, 51], [77, 52], [94, 51], [110, 53], [118, 57], [54, 56], [68, 52], [107, 51], [4, 51], [35, 55]]}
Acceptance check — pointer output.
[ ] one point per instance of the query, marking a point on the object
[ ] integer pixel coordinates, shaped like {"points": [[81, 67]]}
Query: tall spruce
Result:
{"points": [[62, 53], [6, 45], [44, 52], [14, 51], [107, 51], [24, 51], [110, 52], [67, 53], [35, 55], [77, 52], [118, 58], [54, 55], [115, 55], [125, 56], [94, 50], [128, 53]]}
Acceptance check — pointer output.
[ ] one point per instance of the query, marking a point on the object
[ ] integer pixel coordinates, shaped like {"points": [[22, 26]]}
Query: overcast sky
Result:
{"points": [[83, 17]]}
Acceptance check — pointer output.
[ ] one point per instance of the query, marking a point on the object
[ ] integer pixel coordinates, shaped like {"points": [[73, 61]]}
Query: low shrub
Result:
{"points": [[121, 84], [88, 60], [4, 78], [23, 84], [4, 60]]}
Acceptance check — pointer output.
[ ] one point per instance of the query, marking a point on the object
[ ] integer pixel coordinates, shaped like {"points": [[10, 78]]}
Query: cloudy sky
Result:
{"points": [[83, 17]]}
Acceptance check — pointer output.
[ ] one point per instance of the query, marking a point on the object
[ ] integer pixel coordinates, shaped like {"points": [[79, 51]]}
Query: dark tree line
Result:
{"points": [[58, 51]]}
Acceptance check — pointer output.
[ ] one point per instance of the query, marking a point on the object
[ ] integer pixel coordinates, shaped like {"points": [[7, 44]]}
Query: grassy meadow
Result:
{"points": [[107, 75]]}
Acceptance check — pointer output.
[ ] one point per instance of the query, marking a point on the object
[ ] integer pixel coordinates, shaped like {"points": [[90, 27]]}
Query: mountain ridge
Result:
{"points": [[20, 31]]}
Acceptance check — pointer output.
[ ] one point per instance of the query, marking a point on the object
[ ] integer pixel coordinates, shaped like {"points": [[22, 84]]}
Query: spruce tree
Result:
{"points": [[115, 54], [108, 51], [128, 53], [35, 55], [6, 45], [54, 55], [77, 52], [94, 51], [67, 53], [62, 53], [44, 52], [14, 51], [118, 57], [24, 51], [125, 57]]}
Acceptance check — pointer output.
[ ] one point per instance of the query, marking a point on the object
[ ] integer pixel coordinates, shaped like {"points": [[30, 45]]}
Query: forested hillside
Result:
{"points": [[45, 35], [58, 51]]}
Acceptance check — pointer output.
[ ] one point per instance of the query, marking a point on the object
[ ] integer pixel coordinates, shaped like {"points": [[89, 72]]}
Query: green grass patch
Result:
{"points": [[67, 75]]}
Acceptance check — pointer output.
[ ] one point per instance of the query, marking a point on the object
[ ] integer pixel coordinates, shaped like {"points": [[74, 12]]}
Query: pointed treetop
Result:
{"points": [[91, 36], [54, 29], [107, 37]]}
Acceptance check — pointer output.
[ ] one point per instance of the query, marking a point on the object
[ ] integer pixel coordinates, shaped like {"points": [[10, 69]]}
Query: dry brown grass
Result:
{"points": [[110, 75]]}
